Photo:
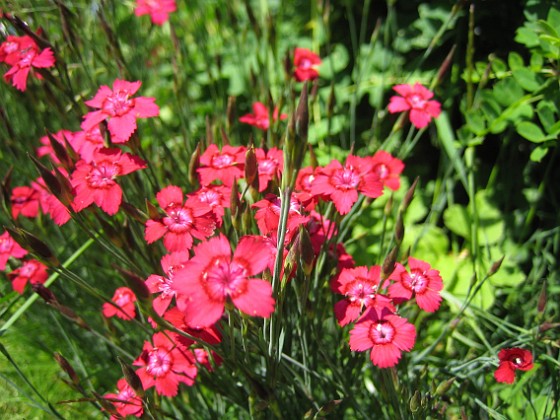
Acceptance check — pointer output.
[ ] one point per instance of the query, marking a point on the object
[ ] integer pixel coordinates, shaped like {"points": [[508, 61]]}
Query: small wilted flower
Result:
{"points": [[124, 298], [31, 271], [306, 64], [125, 401], [511, 360], [9, 248], [157, 9], [260, 118]]}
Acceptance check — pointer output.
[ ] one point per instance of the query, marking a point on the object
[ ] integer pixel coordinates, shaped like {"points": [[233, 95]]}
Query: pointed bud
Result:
{"points": [[60, 152], [194, 164], [5, 190], [230, 112], [409, 195], [301, 116], [445, 386], [66, 191], [225, 138], [444, 67], [252, 168], [111, 233], [387, 210], [234, 202], [288, 65], [136, 284], [72, 316], [388, 265], [133, 212], [209, 132], [496, 266], [331, 102], [306, 254], [541, 305], [312, 157], [34, 245], [66, 367], [153, 212], [131, 378], [46, 294], [414, 404], [107, 405]]}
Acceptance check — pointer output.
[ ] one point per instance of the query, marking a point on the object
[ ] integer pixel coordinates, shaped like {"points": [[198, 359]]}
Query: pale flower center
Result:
{"points": [[382, 171], [268, 166], [178, 220], [159, 362], [5, 245], [382, 332], [305, 64], [103, 174], [118, 103], [417, 282], [222, 161], [416, 101], [27, 57], [224, 278], [28, 269], [346, 179], [122, 299], [362, 292]]}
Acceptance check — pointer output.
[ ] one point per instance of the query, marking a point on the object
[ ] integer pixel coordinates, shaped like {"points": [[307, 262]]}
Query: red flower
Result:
{"points": [[49, 203], [31, 271], [9, 248], [217, 197], [271, 164], [415, 98], [86, 143], [94, 182], [213, 274], [165, 364], [341, 184], [359, 285], [386, 334], [306, 64], [181, 222], [268, 216], [388, 169], [124, 298], [25, 201], [164, 284], [510, 361], [126, 402], [157, 9], [23, 54], [225, 166], [422, 281], [120, 109], [259, 118], [46, 148]]}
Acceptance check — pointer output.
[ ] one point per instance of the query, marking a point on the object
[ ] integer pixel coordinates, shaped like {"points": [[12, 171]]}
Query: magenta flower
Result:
{"points": [[126, 402], [268, 216], [124, 298], [422, 281], [86, 143], [181, 222], [416, 99], [360, 287], [94, 182], [46, 148], [157, 9], [165, 364], [306, 64], [388, 169], [511, 360], [24, 201], [31, 271], [270, 165], [9, 248], [120, 109], [260, 118], [23, 54], [386, 334], [213, 275], [225, 165]]}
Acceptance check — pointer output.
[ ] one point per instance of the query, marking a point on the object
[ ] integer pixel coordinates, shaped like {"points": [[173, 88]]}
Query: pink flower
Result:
{"points": [[225, 166], [31, 271], [157, 9], [213, 275], [23, 54], [120, 108], [388, 169], [94, 182], [9, 248], [46, 148], [49, 203], [124, 299], [415, 98], [25, 201], [126, 402], [260, 118], [86, 143], [268, 216], [341, 184], [164, 284], [510, 361], [165, 364], [270, 164], [210, 335], [181, 222], [306, 64], [386, 334], [217, 197], [422, 281], [360, 287]]}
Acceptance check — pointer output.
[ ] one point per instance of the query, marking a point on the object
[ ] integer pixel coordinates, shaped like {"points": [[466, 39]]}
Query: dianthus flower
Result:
{"points": [[511, 360], [422, 281], [181, 222], [306, 64], [217, 197], [360, 287], [9, 248], [270, 164], [23, 54], [86, 143], [416, 99], [260, 118], [124, 299], [341, 184], [386, 334], [388, 169], [24, 201], [165, 364], [94, 182], [31, 271], [213, 275], [49, 203], [304, 190], [268, 215], [46, 148], [164, 284], [225, 165], [126, 402], [119, 107], [157, 9]]}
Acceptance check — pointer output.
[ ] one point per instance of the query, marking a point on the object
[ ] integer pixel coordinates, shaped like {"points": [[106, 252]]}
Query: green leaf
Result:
{"points": [[545, 111], [526, 78], [527, 37], [515, 61], [456, 218], [531, 132], [448, 142], [539, 153], [507, 91], [334, 62]]}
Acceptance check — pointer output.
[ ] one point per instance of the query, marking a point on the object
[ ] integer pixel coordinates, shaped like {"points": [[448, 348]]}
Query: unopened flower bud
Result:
{"points": [[230, 111], [136, 284], [34, 245], [252, 168], [131, 378], [541, 305], [414, 404], [46, 294], [66, 367], [388, 265], [194, 164], [445, 386], [495, 266], [61, 153], [306, 254]]}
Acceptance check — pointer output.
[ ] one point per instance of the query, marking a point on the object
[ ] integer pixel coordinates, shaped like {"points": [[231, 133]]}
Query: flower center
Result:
{"points": [[362, 292], [268, 166], [225, 278], [305, 64], [27, 57], [178, 220], [159, 362], [28, 269], [382, 332], [381, 170], [416, 101], [5, 245], [346, 179], [122, 299], [417, 282], [102, 175], [118, 103], [222, 161]]}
